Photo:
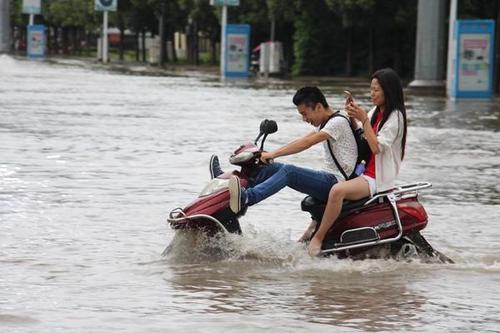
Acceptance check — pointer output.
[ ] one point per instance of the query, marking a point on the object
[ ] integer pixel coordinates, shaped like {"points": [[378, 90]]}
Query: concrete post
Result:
{"points": [[5, 35], [430, 49]]}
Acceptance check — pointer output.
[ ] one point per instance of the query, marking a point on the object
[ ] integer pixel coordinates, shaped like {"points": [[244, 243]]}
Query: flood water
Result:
{"points": [[91, 162]]}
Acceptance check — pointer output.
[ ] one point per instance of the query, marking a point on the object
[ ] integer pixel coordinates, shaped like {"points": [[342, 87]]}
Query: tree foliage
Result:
{"points": [[319, 36]]}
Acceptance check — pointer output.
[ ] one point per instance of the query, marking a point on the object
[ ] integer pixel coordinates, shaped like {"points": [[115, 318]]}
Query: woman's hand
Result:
{"points": [[356, 112]]}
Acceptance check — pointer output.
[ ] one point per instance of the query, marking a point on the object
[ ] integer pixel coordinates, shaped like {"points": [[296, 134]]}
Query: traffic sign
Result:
{"points": [[225, 2], [32, 7], [106, 5]]}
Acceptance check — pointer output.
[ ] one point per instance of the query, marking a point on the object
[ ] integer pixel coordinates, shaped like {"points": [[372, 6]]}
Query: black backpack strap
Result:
{"points": [[336, 114], [336, 162]]}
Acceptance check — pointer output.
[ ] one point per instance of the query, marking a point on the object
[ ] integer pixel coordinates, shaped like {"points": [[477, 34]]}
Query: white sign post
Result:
{"points": [[224, 4], [35, 33], [105, 6]]}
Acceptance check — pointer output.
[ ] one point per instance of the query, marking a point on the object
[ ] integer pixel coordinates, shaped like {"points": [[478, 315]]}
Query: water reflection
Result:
{"points": [[438, 112], [370, 303]]}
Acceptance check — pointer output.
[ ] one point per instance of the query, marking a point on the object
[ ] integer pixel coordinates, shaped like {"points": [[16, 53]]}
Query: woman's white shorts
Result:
{"points": [[372, 184]]}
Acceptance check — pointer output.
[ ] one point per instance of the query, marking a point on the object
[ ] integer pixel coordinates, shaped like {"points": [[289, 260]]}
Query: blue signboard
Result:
{"points": [[225, 2], [32, 7], [474, 59], [237, 50], [106, 5], [36, 41]]}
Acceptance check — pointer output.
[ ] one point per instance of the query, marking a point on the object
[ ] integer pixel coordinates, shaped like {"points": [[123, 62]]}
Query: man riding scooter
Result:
{"points": [[333, 130]]}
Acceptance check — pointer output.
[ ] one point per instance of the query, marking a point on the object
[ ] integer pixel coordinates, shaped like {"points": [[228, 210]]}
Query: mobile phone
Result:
{"points": [[348, 96]]}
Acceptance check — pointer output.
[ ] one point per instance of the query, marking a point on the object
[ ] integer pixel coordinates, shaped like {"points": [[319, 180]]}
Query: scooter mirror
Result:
{"points": [[268, 126]]}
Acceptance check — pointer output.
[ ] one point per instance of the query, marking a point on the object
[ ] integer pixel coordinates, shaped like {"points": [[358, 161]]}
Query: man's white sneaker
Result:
{"points": [[234, 194]]}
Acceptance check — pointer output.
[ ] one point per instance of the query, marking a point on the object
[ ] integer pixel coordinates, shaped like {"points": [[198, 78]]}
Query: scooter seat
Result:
{"points": [[313, 205]]}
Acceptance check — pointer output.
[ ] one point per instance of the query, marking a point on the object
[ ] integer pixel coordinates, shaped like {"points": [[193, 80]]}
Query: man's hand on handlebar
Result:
{"points": [[266, 157]]}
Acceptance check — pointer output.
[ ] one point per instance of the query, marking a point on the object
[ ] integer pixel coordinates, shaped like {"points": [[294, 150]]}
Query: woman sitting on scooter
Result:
{"points": [[385, 131]]}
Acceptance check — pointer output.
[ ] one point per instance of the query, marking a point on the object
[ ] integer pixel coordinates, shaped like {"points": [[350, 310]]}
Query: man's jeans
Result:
{"points": [[274, 177]]}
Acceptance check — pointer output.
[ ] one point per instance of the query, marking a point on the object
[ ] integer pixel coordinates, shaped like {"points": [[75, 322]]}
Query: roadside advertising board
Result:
{"points": [[474, 59], [36, 41], [237, 50]]}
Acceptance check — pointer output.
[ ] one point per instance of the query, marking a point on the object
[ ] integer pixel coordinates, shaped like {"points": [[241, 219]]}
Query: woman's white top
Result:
{"points": [[388, 160]]}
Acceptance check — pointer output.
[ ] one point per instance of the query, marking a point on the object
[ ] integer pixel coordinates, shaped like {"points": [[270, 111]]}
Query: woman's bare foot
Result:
{"points": [[314, 247], [308, 233]]}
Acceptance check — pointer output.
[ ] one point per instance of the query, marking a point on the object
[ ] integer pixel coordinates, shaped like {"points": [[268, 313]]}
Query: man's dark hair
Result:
{"points": [[309, 96]]}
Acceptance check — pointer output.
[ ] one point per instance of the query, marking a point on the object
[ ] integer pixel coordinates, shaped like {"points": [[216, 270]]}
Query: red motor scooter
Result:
{"points": [[387, 224]]}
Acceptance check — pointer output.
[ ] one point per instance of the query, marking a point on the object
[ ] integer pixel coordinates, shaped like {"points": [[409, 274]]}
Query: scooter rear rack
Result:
{"points": [[393, 195]]}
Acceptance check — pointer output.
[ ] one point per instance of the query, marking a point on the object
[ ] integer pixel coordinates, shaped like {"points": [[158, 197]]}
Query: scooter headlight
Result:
{"points": [[241, 157]]}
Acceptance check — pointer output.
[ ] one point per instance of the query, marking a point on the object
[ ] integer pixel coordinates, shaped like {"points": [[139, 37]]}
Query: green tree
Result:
{"points": [[69, 20], [202, 17], [351, 11], [316, 39], [141, 20], [394, 30]]}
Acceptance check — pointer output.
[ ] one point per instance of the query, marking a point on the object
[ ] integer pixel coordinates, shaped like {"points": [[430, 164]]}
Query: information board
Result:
{"points": [[36, 41], [474, 59], [237, 50]]}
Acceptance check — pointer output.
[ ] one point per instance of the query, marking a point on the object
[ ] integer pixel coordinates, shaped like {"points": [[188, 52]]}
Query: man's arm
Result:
{"points": [[296, 146]]}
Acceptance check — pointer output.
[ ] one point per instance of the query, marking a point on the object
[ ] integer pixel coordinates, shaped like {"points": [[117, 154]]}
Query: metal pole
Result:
{"points": [[273, 28], [223, 41], [32, 19], [105, 38], [450, 67]]}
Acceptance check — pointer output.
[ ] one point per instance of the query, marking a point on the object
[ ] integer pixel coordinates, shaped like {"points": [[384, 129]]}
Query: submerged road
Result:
{"points": [[91, 162]]}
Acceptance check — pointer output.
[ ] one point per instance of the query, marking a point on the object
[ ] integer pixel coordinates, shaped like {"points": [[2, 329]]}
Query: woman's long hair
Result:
{"points": [[394, 100]]}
